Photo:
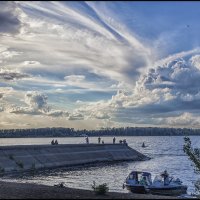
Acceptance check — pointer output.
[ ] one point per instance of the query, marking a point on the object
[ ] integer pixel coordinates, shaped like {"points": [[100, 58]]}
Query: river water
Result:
{"points": [[166, 152]]}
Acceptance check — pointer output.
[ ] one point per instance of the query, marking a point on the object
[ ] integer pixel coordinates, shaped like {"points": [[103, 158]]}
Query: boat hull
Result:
{"points": [[136, 189], [169, 191]]}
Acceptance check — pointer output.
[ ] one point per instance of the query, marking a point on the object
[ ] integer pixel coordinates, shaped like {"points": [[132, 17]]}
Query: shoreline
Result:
{"points": [[10, 190]]}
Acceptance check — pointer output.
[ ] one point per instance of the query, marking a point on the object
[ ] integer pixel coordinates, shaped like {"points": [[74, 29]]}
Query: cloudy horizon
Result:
{"points": [[88, 65]]}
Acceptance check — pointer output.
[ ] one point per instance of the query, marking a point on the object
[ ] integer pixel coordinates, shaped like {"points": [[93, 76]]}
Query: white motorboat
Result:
{"points": [[141, 182]]}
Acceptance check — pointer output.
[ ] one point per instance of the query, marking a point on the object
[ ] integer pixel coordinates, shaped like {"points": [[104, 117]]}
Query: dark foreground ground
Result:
{"points": [[10, 190]]}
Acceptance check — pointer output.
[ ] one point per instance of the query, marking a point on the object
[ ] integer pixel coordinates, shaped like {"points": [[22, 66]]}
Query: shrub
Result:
{"points": [[100, 189], [194, 155]]}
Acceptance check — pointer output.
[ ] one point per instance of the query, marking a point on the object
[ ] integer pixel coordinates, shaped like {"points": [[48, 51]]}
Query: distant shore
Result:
{"points": [[112, 132], [10, 190]]}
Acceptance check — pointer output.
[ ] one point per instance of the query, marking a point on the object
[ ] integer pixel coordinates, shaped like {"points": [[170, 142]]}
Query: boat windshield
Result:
{"points": [[140, 178], [145, 178]]}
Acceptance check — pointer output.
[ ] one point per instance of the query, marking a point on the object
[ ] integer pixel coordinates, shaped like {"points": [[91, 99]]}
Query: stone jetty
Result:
{"points": [[30, 157]]}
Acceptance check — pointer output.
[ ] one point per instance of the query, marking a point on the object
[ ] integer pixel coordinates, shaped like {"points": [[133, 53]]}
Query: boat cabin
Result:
{"points": [[140, 178]]}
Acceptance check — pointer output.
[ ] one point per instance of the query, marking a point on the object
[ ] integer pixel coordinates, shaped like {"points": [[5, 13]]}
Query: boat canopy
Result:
{"points": [[137, 177]]}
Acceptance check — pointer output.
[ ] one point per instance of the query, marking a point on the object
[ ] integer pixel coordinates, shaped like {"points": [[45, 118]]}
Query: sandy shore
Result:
{"points": [[9, 190]]}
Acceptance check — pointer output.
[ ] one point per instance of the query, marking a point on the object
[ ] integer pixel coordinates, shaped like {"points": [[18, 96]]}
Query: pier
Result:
{"points": [[30, 157]]}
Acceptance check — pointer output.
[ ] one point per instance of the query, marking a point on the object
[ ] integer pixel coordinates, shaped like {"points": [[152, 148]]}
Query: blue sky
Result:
{"points": [[99, 64]]}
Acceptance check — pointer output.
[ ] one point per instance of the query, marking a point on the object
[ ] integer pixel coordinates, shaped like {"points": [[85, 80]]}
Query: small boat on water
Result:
{"points": [[141, 182]]}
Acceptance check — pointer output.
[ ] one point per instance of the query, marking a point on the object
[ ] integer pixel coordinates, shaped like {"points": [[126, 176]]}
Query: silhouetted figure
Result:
{"points": [[165, 175], [99, 140], [120, 141], [52, 142], [102, 142], [87, 140], [143, 145], [61, 185], [114, 140], [124, 141], [56, 142]]}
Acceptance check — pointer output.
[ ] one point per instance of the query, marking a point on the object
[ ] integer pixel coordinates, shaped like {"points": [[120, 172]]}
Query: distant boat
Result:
{"points": [[143, 145]]}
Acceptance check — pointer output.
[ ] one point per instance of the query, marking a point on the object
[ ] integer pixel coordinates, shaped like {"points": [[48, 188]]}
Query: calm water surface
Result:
{"points": [[166, 153]]}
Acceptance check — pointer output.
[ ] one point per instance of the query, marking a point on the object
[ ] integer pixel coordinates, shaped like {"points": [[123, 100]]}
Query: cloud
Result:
{"points": [[58, 113], [37, 101], [22, 110], [37, 105], [75, 39], [74, 78], [161, 96], [7, 75], [6, 54], [100, 115], [76, 116], [9, 21], [89, 52], [185, 120]]}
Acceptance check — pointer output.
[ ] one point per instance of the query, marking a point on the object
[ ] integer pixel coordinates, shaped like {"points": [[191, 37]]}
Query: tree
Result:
{"points": [[194, 156]]}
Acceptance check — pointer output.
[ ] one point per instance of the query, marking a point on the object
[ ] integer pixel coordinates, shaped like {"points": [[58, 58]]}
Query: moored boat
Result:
{"points": [[141, 182]]}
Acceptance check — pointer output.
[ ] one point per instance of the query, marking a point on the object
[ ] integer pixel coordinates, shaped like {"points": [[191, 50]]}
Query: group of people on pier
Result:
{"points": [[100, 141], [54, 142]]}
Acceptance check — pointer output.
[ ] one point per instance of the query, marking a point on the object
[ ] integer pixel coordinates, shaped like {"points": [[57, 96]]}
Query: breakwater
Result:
{"points": [[31, 157]]}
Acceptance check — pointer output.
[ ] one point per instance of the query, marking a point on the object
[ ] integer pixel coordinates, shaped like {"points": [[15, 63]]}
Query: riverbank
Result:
{"points": [[10, 190]]}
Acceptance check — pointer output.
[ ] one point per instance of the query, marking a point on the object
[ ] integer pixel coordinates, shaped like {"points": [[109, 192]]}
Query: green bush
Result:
{"points": [[100, 189], [194, 155]]}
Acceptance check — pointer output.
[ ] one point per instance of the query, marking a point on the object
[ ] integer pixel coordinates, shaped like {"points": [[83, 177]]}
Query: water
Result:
{"points": [[166, 153]]}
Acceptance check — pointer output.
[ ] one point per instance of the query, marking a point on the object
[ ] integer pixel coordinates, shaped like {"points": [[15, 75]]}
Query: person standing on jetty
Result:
{"points": [[99, 140], [124, 141], [52, 142], [56, 142], [87, 140], [114, 140]]}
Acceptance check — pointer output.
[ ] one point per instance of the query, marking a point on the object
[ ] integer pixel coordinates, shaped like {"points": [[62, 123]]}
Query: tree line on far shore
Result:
{"points": [[71, 132]]}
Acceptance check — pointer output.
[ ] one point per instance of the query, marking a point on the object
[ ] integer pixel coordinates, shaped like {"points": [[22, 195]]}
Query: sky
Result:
{"points": [[96, 64]]}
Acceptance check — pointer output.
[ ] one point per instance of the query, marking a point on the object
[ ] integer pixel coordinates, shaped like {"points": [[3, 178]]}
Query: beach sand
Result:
{"points": [[10, 190]]}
